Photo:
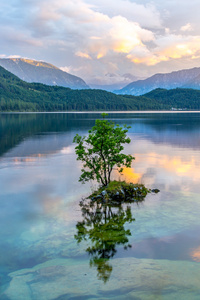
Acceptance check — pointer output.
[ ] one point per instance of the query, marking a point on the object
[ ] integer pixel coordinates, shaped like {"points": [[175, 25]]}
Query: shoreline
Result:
{"points": [[109, 112]]}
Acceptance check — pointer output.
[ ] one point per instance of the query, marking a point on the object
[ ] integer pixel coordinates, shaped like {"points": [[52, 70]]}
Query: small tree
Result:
{"points": [[101, 150]]}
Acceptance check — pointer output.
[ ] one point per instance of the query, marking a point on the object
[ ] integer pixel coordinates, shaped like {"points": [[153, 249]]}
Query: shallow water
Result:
{"points": [[156, 256]]}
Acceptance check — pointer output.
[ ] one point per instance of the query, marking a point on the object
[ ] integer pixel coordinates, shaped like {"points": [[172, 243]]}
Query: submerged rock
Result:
{"points": [[155, 191], [131, 279], [103, 193]]}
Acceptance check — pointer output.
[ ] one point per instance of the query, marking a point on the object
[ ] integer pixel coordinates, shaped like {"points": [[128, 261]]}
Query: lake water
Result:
{"points": [[157, 255]]}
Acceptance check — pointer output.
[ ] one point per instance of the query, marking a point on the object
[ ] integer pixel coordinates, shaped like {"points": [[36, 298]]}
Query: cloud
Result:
{"points": [[178, 46], [142, 55], [187, 27], [89, 37], [95, 31], [146, 15], [78, 27], [117, 35], [168, 47], [105, 34], [66, 69], [126, 35], [84, 55], [14, 56]]}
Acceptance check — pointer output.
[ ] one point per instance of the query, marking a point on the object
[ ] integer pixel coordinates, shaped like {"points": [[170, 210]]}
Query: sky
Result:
{"points": [[103, 41]]}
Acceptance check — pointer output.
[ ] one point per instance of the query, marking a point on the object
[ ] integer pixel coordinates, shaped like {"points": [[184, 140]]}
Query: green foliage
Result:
{"points": [[184, 99], [104, 228], [117, 192], [101, 150]]}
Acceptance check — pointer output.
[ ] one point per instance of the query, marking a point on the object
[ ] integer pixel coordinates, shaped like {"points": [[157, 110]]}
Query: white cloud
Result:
{"points": [[187, 27], [92, 36], [14, 56], [127, 35], [66, 69], [146, 15]]}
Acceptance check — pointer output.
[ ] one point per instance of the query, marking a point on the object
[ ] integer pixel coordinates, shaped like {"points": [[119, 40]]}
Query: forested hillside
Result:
{"points": [[18, 95], [187, 99]]}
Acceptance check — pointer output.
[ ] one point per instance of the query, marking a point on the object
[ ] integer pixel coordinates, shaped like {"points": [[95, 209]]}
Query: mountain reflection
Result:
{"points": [[103, 227], [176, 129]]}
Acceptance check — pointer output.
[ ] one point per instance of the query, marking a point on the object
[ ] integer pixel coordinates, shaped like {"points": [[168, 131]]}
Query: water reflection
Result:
{"points": [[39, 198], [169, 128], [103, 227], [195, 254]]}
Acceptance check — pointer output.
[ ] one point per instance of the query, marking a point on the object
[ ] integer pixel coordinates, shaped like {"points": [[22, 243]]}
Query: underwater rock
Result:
{"points": [[99, 196], [155, 191], [131, 279], [103, 193]]}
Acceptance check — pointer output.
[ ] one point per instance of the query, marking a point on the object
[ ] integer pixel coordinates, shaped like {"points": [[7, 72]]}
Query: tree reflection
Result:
{"points": [[104, 227]]}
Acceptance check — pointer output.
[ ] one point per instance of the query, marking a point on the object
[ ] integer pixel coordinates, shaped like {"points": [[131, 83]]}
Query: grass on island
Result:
{"points": [[120, 191]]}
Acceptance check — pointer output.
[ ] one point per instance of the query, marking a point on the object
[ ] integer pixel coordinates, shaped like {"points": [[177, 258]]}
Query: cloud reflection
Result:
{"points": [[195, 254], [161, 165]]}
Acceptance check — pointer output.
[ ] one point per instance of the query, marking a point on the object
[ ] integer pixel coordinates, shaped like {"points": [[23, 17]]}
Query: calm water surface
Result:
{"points": [[145, 251]]}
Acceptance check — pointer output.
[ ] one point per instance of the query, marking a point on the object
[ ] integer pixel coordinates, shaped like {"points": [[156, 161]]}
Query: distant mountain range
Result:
{"points": [[113, 81], [42, 72], [189, 78], [18, 95]]}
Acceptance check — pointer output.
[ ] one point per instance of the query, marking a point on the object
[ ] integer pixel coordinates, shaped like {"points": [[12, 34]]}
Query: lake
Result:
{"points": [[153, 249]]}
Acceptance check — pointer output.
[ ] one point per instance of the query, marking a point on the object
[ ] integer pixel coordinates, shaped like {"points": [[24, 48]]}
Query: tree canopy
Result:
{"points": [[101, 151]]}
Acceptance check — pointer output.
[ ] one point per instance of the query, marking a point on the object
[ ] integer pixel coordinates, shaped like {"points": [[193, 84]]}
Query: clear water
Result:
{"points": [[157, 255]]}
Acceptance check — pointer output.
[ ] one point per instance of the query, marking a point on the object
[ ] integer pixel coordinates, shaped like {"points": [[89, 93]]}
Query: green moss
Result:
{"points": [[120, 191]]}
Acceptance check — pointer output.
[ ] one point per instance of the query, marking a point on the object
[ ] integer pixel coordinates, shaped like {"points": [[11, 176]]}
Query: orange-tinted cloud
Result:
{"points": [[84, 55]]}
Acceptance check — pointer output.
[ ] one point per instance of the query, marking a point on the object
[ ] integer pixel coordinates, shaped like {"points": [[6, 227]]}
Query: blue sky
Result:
{"points": [[103, 41]]}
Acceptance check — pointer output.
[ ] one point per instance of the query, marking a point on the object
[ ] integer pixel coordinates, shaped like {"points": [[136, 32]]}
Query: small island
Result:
{"points": [[118, 192], [107, 211], [100, 152]]}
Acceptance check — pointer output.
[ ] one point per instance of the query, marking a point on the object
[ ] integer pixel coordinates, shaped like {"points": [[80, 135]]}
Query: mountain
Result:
{"points": [[167, 81], [18, 95], [112, 81], [107, 87], [42, 72], [193, 84]]}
